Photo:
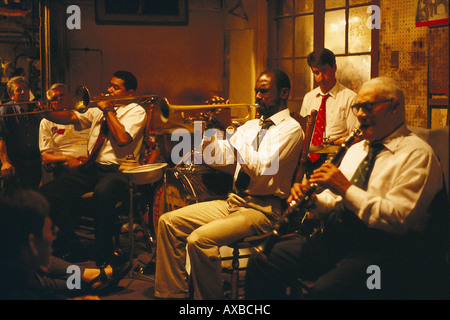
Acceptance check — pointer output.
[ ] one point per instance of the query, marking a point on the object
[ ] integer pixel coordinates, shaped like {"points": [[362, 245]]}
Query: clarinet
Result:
{"points": [[296, 205]]}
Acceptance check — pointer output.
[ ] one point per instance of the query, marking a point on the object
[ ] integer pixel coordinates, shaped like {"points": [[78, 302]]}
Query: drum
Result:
{"points": [[182, 186], [145, 174], [324, 148]]}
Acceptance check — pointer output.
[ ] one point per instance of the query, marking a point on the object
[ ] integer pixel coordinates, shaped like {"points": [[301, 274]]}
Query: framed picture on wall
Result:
{"points": [[431, 13], [142, 12]]}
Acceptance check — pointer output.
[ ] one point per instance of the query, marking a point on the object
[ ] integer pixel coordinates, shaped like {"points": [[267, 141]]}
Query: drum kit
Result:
{"points": [[329, 149]]}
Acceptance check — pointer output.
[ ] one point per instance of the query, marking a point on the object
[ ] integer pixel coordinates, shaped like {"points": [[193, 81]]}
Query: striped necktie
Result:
{"points": [[362, 174]]}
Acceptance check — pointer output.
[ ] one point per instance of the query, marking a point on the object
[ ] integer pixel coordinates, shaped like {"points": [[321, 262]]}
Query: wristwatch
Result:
{"points": [[108, 109]]}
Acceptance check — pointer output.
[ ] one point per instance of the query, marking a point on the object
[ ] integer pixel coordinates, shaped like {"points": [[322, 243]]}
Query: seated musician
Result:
{"points": [[337, 121], [252, 208], [62, 146], [19, 147], [122, 128], [377, 221]]}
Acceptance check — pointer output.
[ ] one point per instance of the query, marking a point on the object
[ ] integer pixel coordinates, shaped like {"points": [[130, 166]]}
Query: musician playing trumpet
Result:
{"points": [[199, 230], [115, 132], [375, 213]]}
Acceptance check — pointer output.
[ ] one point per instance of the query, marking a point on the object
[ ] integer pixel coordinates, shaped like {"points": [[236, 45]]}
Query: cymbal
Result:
{"points": [[324, 148]]}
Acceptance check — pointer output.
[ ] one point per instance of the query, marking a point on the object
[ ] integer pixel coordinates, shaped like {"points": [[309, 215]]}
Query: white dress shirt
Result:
{"points": [[132, 117], [405, 178], [62, 139], [271, 166], [339, 119]]}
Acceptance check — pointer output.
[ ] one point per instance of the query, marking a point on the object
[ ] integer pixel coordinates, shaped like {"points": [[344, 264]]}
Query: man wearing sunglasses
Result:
{"points": [[375, 210]]}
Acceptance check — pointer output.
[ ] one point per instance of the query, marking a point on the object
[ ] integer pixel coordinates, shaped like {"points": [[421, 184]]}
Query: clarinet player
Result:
{"points": [[375, 213]]}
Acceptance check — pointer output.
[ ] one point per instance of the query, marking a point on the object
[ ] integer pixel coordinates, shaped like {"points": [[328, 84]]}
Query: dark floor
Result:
{"points": [[139, 283]]}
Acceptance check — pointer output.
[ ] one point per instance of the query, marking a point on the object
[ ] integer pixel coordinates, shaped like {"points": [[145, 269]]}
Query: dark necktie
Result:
{"points": [[362, 174], [243, 179], [266, 124], [317, 138]]}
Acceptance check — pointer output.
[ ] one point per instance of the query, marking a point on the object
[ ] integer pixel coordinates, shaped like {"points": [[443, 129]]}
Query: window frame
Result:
{"points": [[318, 13]]}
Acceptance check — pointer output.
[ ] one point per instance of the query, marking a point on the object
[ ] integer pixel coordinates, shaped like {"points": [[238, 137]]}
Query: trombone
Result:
{"points": [[82, 99], [167, 115]]}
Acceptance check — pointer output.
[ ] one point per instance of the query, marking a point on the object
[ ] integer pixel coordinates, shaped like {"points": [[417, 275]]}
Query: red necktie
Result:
{"points": [[317, 137]]}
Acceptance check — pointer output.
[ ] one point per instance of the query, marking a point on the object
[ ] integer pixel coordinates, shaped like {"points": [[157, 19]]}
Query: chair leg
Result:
{"points": [[235, 274]]}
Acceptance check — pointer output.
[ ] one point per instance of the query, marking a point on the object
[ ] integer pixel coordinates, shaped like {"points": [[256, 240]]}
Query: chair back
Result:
{"points": [[438, 231], [308, 123]]}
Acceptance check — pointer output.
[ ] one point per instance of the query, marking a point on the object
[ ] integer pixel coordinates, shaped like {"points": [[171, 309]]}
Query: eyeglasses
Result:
{"points": [[367, 106]]}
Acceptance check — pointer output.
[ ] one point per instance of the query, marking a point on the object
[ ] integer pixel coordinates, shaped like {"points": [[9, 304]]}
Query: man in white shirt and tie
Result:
{"points": [[199, 230], [338, 120]]}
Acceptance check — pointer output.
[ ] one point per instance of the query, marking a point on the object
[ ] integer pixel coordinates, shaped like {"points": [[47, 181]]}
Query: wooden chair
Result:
{"points": [[246, 244], [308, 128]]}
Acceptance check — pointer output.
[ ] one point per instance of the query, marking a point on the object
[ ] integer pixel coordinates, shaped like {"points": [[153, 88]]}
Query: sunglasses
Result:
{"points": [[367, 107]]}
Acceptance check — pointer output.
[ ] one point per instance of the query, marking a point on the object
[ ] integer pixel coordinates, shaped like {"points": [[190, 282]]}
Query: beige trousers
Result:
{"points": [[203, 228]]}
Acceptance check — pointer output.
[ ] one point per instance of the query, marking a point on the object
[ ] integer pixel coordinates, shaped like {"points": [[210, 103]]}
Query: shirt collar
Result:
{"points": [[278, 117], [332, 92], [392, 141]]}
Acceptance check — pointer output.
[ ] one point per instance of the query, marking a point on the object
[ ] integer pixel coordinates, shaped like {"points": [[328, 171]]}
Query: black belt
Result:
{"points": [[264, 197], [98, 166]]}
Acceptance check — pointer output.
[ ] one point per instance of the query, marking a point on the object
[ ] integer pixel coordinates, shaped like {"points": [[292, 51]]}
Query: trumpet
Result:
{"points": [[297, 205], [82, 102], [167, 117]]}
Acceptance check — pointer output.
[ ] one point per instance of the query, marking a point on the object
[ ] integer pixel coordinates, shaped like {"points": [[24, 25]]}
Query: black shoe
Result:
{"points": [[119, 272]]}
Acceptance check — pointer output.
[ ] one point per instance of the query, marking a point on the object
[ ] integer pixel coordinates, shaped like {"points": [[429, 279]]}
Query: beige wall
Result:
{"points": [[186, 64], [182, 63]]}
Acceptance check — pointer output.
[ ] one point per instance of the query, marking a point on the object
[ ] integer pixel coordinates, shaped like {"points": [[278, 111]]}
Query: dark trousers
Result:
{"points": [[64, 194], [336, 261], [55, 276], [28, 175]]}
